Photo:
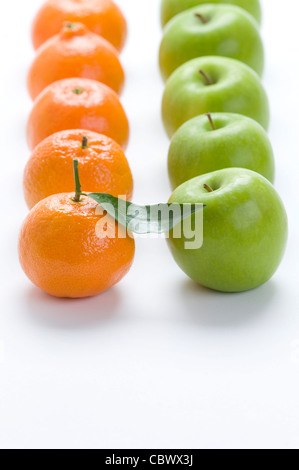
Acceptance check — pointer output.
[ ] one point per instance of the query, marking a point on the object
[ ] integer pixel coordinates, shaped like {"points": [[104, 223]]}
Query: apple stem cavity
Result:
{"points": [[211, 121], [77, 181], [84, 142], [208, 188], [206, 77], [202, 18]]}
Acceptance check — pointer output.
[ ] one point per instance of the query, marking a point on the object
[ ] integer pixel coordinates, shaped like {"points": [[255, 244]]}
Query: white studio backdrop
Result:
{"points": [[156, 362]]}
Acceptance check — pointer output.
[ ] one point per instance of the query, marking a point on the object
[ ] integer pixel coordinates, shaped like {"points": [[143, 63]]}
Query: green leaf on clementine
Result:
{"points": [[158, 219]]}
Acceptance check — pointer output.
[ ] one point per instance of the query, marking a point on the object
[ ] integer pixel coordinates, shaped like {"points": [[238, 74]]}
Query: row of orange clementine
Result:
{"points": [[75, 80]]}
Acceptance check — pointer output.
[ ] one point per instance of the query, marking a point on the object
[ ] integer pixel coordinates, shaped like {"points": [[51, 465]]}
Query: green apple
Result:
{"points": [[209, 143], [221, 30], [170, 8], [244, 230], [213, 84]]}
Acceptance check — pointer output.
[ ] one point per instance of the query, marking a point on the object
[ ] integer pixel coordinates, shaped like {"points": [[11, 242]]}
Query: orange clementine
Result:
{"points": [[77, 103], [103, 17], [61, 252], [75, 52], [103, 166]]}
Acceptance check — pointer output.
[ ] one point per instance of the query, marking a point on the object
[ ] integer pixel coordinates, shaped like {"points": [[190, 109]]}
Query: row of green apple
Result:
{"points": [[216, 112]]}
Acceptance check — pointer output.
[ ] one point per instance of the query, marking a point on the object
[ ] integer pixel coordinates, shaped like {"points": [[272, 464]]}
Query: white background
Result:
{"points": [[156, 361]]}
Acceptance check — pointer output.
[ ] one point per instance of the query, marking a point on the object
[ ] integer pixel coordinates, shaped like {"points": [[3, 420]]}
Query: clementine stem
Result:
{"points": [[70, 25], [85, 142], [77, 180]]}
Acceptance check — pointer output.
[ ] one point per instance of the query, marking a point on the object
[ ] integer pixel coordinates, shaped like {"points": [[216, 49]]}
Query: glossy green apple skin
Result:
{"points": [[229, 32], [245, 230], [236, 89], [170, 8], [238, 141]]}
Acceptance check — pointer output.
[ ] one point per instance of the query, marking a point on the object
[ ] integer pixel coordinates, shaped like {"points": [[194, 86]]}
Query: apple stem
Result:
{"points": [[84, 142], [206, 77], [211, 121], [208, 188], [77, 180], [201, 17]]}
